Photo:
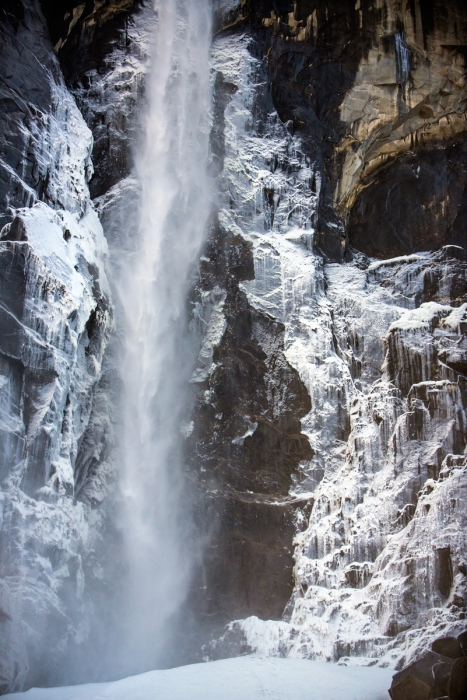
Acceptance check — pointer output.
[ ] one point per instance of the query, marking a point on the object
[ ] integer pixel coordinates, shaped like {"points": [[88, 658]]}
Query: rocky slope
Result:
{"points": [[327, 442]]}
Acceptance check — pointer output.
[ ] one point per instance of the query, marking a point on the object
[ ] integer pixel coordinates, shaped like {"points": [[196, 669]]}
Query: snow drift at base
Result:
{"points": [[243, 678]]}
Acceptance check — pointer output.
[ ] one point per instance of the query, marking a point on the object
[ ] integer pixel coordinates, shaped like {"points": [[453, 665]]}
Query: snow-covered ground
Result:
{"points": [[243, 678]]}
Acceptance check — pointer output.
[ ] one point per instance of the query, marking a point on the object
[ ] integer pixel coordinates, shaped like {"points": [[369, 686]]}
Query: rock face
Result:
{"points": [[55, 320], [326, 450], [379, 561]]}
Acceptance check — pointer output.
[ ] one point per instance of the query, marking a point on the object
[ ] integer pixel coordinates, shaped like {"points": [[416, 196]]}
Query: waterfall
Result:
{"points": [[172, 166], [403, 58]]}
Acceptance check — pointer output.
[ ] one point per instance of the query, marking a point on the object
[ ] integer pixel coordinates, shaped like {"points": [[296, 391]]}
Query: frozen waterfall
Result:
{"points": [[172, 169]]}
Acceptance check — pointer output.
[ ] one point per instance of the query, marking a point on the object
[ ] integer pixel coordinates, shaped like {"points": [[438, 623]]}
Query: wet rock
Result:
{"points": [[392, 330], [352, 100], [323, 68], [246, 472]]}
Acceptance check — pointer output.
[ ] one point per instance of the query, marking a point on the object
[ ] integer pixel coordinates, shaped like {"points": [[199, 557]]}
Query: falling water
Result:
{"points": [[403, 58], [172, 168]]}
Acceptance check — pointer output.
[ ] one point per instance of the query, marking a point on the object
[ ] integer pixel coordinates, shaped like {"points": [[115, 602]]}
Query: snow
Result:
{"points": [[456, 317], [424, 315], [399, 259], [244, 678], [418, 318]]}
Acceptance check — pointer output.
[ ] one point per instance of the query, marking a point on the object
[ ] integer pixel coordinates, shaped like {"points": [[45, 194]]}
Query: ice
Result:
{"points": [[207, 329]]}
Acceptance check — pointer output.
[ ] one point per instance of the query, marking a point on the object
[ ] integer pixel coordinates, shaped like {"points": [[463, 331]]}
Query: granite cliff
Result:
{"points": [[326, 450]]}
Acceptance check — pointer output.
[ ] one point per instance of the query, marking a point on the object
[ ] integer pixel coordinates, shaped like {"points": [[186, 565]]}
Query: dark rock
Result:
{"points": [[457, 687], [441, 675], [414, 203], [448, 646], [445, 577], [357, 575], [15, 231], [243, 503], [411, 688], [419, 678], [80, 24], [462, 639]]}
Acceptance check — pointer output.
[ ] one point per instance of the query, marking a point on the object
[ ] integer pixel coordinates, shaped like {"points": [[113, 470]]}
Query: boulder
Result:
{"points": [[462, 639], [448, 646], [457, 686], [411, 688], [441, 674], [432, 671]]}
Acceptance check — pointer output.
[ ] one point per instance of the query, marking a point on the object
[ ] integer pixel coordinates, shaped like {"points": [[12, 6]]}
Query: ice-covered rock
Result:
{"points": [[56, 318], [370, 340], [109, 90]]}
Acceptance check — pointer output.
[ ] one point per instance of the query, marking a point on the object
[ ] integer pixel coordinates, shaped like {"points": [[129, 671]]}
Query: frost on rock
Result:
{"points": [[56, 318], [110, 96], [206, 330], [380, 345]]}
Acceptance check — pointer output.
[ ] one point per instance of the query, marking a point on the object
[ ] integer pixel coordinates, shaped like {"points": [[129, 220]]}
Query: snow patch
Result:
{"points": [[397, 261]]}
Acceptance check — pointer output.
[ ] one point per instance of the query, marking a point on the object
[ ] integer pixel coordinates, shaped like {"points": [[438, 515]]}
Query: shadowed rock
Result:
{"points": [[448, 646], [457, 686]]}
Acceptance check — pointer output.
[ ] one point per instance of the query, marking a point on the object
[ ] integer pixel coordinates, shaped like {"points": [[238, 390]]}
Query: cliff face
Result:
{"points": [[327, 442], [366, 103], [55, 319]]}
